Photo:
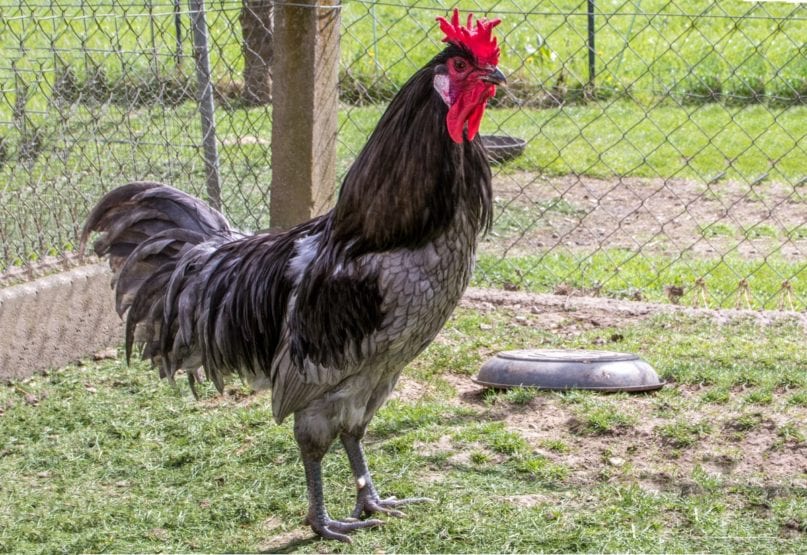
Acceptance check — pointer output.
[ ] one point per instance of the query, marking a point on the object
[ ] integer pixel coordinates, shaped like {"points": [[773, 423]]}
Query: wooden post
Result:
{"points": [[258, 48], [305, 110]]}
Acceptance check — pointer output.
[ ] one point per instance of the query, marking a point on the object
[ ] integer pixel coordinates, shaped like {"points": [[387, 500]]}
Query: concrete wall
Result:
{"points": [[55, 320]]}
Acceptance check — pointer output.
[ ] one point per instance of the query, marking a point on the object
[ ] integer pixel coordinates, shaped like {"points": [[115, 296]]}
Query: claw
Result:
{"points": [[334, 529], [395, 502], [373, 504]]}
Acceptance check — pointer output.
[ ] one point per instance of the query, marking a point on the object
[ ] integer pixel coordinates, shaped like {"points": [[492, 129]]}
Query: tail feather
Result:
{"points": [[147, 302], [132, 213], [147, 258], [166, 247], [147, 229], [178, 337], [193, 291]]}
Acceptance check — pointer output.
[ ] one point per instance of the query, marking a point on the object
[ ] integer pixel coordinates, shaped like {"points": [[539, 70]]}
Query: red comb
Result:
{"points": [[479, 40]]}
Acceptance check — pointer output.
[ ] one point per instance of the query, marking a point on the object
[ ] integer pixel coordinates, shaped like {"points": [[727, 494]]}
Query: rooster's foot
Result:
{"points": [[336, 529], [370, 503]]}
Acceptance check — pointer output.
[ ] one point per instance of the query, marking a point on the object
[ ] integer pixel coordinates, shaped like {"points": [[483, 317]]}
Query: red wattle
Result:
{"points": [[468, 108], [475, 120], [455, 122]]}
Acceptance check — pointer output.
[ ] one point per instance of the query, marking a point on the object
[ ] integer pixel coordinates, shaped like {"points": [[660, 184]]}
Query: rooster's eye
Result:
{"points": [[459, 65]]}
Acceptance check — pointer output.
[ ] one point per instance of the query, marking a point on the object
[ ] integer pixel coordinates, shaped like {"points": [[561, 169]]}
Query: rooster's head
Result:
{"points": [[467, 76]]}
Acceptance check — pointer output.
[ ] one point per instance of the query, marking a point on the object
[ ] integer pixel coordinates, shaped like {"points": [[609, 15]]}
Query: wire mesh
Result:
{"points": [[669, 169], [663, 161], [95, 94]]}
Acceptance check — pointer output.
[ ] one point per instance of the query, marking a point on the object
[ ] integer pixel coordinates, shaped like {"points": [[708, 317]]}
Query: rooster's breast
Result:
{"points": [[419, 289]]}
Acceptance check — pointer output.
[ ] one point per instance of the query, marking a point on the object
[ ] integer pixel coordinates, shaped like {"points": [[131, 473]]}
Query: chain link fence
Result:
{"points": [[665, 141]]}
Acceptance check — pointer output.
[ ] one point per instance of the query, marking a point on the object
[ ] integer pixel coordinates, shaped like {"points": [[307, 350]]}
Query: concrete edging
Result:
{"points": [[57, 319]]}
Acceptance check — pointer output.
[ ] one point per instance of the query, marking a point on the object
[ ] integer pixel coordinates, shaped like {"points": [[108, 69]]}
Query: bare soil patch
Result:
{"points": [[660, 216], [569, 313], [640, 454]]}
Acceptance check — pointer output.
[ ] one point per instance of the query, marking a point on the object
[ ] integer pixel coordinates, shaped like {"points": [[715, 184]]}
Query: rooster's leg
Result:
{"points": [[318, 517], [367, 499]]}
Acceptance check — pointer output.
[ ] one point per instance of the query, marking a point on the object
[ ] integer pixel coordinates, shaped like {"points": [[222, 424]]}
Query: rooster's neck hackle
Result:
{"points": [[410, 180]]}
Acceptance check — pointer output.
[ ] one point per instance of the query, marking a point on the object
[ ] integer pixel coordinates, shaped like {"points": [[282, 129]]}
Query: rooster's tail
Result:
{"points": [[154, 235]]}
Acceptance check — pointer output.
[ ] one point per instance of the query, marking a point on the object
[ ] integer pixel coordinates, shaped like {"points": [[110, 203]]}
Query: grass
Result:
{"points": [[625, 138], [622, 273], [716, 230], [737, 52], [101, 457], [683, 433]]}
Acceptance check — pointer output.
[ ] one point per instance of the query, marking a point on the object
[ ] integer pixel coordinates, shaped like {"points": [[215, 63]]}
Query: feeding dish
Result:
{"points": [[561, 369], [502, 148]]}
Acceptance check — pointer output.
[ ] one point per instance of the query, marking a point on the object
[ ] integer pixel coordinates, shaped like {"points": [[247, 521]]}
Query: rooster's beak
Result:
{"points": [[495, 77]]}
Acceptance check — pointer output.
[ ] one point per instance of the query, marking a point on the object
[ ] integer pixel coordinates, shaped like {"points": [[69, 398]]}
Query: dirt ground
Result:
{"points": [[757, 457], [658, 216]]}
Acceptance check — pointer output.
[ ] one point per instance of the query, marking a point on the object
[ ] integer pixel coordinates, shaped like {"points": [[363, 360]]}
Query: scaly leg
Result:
{"points": [[313, 447], [318, 517], [367, 499]]}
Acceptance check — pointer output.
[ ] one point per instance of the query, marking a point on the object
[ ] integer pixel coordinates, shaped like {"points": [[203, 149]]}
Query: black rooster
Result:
{"points": [[327, 313]]}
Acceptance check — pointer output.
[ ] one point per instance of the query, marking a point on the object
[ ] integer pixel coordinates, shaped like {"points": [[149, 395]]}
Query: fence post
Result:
{"points": [[206, 108], [591, 50], [178, 31], [305, 110]]}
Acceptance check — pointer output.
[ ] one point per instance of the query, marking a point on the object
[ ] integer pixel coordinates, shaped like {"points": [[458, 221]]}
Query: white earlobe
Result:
{"points": [[442, 86]]}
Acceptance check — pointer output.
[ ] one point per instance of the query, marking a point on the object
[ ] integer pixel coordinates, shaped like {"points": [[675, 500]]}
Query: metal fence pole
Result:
{"points": [[591, 50], [178, 31], [206, 108]]}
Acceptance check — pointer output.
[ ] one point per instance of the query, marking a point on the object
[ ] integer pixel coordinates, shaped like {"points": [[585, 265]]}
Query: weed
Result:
{"points": [[480, 458], [520, 395], [745, 89], [556, 445], [791, 432], [717, 229], [542, 469], [798, 399], [746, 422], [759, 397], [797, 233], [717, 395], [600, 419], [759, 231], [704, 83], [682, 434], [506, 442]]}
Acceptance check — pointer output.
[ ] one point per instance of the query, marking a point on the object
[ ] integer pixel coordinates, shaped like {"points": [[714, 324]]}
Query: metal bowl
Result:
{"points": [[556, 369], [502, 148]]}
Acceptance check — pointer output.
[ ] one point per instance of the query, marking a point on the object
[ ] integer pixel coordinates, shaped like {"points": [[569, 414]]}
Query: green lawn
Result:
{"points": [[624, 138], [620, 273], [649, 47], [100, 457], [655, 47]]}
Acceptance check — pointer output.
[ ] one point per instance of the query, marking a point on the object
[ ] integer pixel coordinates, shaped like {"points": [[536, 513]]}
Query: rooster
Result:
{"points": [[329, 312]]}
